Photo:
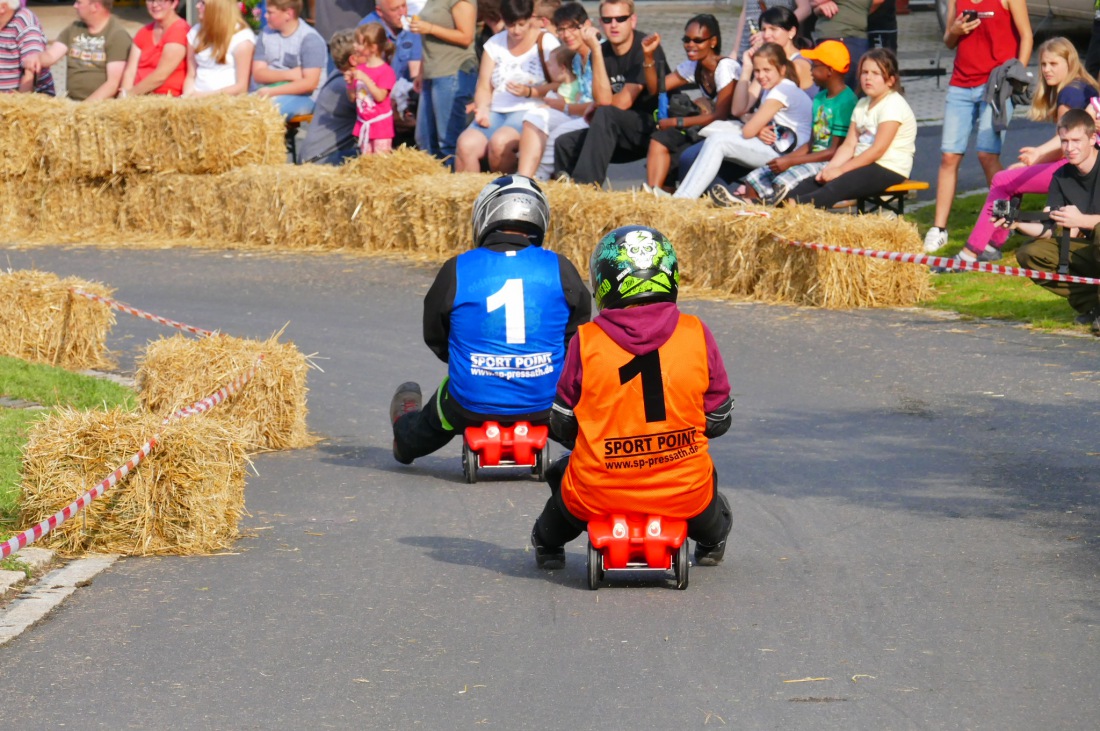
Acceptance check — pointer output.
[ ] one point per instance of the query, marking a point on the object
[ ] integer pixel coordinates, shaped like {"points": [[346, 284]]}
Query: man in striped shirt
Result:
{"points": [[21, 40]]}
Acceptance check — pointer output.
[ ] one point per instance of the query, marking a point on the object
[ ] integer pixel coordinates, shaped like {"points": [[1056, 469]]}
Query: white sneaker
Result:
{"points": [[936, 238]]}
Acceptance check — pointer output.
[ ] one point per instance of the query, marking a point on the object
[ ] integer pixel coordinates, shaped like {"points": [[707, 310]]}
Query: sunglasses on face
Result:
{"points": [[568, 28], [697, 41], [609, 19]]}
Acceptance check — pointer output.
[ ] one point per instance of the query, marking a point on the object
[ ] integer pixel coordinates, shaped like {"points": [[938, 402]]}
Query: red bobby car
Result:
{"points": [[493, 444], [637, 542]]}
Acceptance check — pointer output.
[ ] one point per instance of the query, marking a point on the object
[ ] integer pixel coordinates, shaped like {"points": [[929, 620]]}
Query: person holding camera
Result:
{"points": [[985, 34], [1074, 204]]}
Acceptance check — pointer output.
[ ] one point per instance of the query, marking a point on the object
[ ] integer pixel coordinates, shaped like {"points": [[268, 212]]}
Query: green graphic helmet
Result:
{"points": [[634, 265]]}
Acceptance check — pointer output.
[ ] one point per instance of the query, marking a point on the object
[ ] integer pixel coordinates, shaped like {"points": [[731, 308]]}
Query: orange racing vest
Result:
{"points": [[640, 444]]}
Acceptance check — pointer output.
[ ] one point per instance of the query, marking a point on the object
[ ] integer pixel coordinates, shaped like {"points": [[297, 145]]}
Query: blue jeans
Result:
{"points": [[962, 109], [292, 105], [441, 116]]}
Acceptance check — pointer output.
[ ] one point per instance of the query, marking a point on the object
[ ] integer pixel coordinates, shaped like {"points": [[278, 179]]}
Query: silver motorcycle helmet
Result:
{"points": [[511, 202]]}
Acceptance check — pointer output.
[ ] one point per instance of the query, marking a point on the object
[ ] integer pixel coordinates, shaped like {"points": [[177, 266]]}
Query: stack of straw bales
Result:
{"points": [[67, 166], [212, 172], [43, 322], [186, 498], [269, 413]]}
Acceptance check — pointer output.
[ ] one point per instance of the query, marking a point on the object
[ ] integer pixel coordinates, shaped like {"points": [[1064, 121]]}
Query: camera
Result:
{"points": [[970, 15], [1007, 209]]}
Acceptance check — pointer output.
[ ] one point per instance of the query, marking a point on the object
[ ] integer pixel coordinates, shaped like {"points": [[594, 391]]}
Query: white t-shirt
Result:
{"points": [[210, 75], [892, 108], [796, 112], [522, 69], [727, 71]]}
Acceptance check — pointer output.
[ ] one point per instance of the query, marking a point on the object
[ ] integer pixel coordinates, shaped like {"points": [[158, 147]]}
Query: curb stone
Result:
{"points": [[44, 596]]}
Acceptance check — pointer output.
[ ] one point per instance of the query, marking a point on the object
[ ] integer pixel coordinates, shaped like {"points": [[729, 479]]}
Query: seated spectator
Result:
{"points": [[21, 42], [622, 122], [780, 123], [290, 57], [1063, 85], [331, 16], [544, 14], [369, 85], [706, 67], [881, 143], [845, 21], [542, 126], [406, 64], [330, 137], [1074, 204], [749, 23], [95, 48], [158, 58], [780, 25], [219, 51], [832, 113], [509, 83]]}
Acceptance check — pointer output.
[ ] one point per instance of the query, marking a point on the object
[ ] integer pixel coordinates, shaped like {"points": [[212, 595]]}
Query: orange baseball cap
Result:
{"points": [[831, 53]]}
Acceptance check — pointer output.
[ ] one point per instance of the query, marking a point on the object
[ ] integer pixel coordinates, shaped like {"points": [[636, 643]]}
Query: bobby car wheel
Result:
{"points": [[595, 567], [680, 566], [469, 463], [542, 461]]}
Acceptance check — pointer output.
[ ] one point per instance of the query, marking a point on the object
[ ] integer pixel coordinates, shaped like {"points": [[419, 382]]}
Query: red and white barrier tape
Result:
{"points": [[948, 262], [122, 307], [32, 534], [218, 396]]}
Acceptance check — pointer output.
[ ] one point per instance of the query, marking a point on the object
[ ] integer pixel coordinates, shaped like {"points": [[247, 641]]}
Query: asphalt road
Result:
{"points": [[916, 540]]}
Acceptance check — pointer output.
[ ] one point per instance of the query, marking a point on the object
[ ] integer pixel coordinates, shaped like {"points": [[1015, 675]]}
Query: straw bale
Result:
{"points": [[82, 210], [284, 206], [435, 213], [393, 169], [42, 322], [185, 498], [268, 413], [722, 251], [24, 117], [156, 134]]}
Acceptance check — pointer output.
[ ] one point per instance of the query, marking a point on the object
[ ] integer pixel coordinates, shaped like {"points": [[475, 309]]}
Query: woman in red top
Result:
{"points": [[158, 58], [642, 391], [984, 34]]}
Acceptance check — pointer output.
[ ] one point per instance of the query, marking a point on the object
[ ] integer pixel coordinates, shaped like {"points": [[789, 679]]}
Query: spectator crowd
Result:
{"points": [[806, 104]]}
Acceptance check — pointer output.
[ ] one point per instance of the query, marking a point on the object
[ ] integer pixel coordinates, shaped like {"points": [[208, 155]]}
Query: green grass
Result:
{"points": [[49, 387], [991, 295]]}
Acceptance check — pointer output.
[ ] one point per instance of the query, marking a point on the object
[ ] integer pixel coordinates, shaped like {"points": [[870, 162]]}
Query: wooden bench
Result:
{"points": [[292, 126], [893, 199]]}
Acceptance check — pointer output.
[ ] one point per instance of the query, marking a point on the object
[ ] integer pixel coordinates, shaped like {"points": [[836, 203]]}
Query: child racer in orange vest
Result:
{"points": [[642, 391]]}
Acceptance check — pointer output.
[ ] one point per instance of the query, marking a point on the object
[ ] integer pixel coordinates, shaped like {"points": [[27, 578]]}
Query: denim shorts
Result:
{"points": [[963, 108], [497, 120]]}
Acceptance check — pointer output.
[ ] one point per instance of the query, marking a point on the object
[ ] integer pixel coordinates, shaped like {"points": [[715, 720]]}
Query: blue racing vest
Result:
{"points": [[507, 337]]}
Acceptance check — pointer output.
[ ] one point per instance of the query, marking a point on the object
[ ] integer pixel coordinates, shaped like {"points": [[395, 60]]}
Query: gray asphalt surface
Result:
{"points": [[916, 528]]}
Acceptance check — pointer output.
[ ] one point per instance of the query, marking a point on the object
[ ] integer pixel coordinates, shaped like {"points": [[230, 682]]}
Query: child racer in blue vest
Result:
{"points": [[500, 316]]}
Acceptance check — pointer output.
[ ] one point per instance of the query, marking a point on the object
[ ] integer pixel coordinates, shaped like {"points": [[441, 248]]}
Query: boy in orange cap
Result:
{"points": [[832, 113]]}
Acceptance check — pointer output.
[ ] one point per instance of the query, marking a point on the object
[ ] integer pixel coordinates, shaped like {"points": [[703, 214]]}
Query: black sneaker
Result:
{"points": [[547, 557], [1088, 318], [406, 400], [709, 555], [721, 197]]}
